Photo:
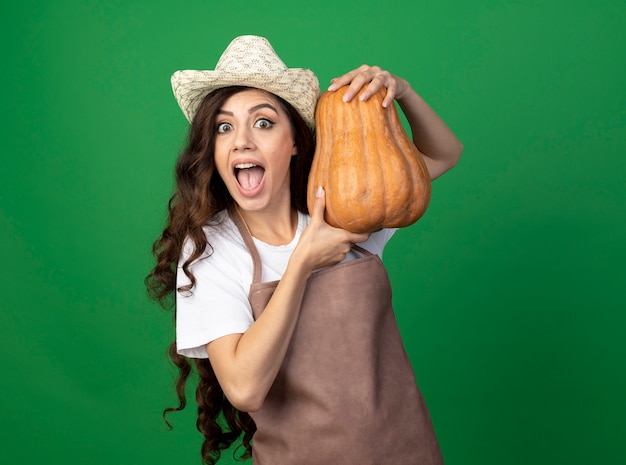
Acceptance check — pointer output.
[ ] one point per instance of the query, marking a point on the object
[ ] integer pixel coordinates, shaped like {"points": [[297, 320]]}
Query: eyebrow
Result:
{"points": [[251, 110], [262, 105]]}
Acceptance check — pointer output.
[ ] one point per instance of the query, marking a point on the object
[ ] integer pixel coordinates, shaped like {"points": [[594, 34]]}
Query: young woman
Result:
{"points": [[288, 319]]}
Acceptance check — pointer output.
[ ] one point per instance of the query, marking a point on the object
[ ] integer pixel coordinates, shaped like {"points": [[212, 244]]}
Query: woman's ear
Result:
{"points": [[295, 150]]}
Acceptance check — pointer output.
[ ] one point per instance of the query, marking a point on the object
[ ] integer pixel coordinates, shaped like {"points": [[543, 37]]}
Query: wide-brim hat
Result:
{"points": [[249, 61]]}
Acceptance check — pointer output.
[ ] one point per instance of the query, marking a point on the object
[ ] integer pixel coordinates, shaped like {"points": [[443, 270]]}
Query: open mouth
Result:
{"points": [[249, 175]]}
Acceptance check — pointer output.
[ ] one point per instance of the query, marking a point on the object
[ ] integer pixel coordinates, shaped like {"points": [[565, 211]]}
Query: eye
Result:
{"points": [[264, 123], [224, 127]]}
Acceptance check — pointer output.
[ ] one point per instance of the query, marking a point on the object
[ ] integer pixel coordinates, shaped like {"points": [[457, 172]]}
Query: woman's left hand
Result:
{"points": [[439, 146], [375, 78]]}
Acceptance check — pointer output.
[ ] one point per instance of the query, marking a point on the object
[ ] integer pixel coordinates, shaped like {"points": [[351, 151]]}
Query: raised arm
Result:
{"points": [[433, 138]]}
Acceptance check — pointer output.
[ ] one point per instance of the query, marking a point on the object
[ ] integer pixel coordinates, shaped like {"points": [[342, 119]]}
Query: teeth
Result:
{"points": [[242, 166]]}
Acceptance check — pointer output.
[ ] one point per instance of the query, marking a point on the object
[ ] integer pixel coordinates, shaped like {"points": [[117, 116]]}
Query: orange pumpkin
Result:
{"points": [[373, 175]]}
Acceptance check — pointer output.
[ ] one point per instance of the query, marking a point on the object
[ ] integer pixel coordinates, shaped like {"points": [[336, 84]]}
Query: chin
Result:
{"points": [[250, 204]]}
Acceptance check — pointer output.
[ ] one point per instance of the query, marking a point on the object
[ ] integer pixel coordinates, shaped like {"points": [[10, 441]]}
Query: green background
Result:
{"points": [[509, 291]]}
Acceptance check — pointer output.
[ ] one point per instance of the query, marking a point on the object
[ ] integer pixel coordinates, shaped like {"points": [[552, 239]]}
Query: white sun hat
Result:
{"points": [[249, 61]]}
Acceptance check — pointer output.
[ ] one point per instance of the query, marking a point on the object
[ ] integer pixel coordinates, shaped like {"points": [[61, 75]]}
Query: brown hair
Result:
{"points": [[199, 195]]}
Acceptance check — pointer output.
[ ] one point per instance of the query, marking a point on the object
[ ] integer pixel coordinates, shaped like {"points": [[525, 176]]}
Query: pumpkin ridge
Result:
{"points": [[373, 201], [401, 139], [371, 166], [392, 158], [384, 203], [334, 151], [394, 172], [347, 177]]}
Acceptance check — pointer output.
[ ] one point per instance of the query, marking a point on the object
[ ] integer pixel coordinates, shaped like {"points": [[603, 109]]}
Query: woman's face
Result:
{"points": [[253, 148]]}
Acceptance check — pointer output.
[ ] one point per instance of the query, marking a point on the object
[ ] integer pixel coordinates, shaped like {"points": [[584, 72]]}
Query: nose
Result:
{"points": [[243, 139]]}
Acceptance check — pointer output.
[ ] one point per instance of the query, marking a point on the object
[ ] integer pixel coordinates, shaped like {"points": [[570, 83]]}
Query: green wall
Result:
{"points": [[509, 290]]}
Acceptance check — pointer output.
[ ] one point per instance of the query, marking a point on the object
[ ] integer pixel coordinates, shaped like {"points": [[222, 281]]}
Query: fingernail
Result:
{"points": [[320, 192]]}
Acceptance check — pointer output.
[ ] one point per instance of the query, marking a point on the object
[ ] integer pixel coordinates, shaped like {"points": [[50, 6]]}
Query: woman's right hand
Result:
{"points": [[321, 244]]}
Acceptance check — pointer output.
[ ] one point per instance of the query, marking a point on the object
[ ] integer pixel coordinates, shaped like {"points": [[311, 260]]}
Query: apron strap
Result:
{"points": [[363, 251], [235, 215]]}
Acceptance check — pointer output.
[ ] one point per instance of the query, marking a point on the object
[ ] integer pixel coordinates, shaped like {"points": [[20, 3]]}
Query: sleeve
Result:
{"points": [[378, 240], [216, 306]]}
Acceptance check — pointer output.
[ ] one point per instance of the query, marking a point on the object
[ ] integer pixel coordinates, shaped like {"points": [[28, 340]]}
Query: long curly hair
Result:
{"points": [[199, 195]]}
